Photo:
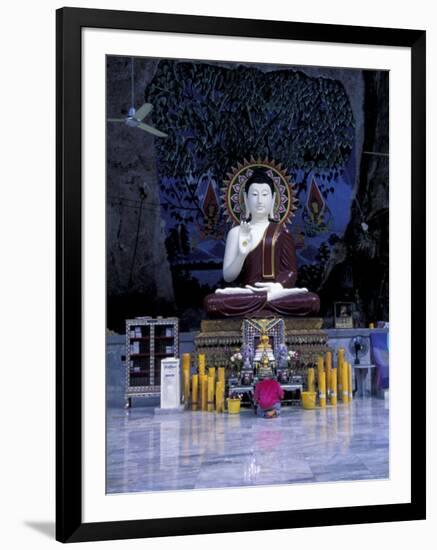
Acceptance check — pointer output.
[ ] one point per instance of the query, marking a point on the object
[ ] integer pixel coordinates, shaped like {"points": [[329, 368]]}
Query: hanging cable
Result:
{"points": [[132, 81]]}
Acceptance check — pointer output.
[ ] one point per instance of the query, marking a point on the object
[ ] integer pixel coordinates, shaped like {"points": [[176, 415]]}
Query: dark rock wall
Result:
{"points": [[361, 273], [138, 274]]}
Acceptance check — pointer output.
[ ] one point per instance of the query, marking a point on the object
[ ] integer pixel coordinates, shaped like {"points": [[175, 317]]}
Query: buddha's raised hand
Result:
{"points": [[245, 238]]}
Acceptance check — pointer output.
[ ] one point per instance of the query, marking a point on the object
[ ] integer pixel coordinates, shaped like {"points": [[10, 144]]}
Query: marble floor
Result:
{"points": [[190, 450]]}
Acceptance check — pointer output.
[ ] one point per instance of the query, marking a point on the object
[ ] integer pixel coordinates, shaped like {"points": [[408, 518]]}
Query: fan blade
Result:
{"points": [[151, 130], [143, 111], [116, 119]]}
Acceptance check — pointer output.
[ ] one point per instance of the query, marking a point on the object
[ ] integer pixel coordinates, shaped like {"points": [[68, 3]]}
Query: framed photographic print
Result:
{"points": [[223, 186], [343, 315]]}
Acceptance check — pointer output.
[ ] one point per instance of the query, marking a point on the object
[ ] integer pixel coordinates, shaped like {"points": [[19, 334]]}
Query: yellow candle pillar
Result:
{"points": [[344, 383], [219, 397], [203, 391], [221, 376], [333, 390], [322, 389], [186, 361], [210, 394], [201, 363], [211, 372], [220, 387], [328, 363], [311, 385], [320, 367], [222, 396], [320, 371], [340, 361], [221, 379], [194, 392], [186, 386]]}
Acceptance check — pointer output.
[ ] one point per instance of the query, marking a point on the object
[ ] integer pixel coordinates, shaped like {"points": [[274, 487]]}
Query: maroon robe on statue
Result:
{"points": [[272, 260]]}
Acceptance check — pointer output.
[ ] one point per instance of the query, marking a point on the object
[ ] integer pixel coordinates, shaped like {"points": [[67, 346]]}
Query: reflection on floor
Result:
{"points": [[198, 450]]}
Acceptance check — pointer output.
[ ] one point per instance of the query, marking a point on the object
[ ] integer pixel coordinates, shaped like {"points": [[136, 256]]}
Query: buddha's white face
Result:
{"points": [[259, 201]]}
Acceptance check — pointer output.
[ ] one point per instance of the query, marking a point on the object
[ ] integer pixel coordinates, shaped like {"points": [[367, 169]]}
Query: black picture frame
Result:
{"points": [[69, 524]]}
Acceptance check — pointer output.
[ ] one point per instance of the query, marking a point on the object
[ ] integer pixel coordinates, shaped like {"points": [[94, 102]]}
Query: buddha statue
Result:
{"points": [[264, 343], [260, 256], [265, 366], [264, 349]]}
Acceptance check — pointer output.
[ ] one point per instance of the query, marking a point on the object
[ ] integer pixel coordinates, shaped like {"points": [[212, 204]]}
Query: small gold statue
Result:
{"points": [[264, 343]]}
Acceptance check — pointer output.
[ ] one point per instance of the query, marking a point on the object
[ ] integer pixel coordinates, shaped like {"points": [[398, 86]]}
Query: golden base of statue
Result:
{"points": [[219, 338]]}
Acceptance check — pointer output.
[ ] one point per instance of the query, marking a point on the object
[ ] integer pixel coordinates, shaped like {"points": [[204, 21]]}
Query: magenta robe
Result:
{"points": [[272, 260]]}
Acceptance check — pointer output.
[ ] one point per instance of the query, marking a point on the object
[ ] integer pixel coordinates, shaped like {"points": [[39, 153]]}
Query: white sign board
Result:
{"points": [[170, 383]]}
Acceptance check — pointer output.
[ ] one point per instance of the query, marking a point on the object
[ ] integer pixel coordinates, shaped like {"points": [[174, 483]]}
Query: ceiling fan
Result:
{"points": [[135, 118]]}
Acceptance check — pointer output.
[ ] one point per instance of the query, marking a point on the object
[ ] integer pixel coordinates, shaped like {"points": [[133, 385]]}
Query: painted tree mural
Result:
{"points": [[216, 116]]}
